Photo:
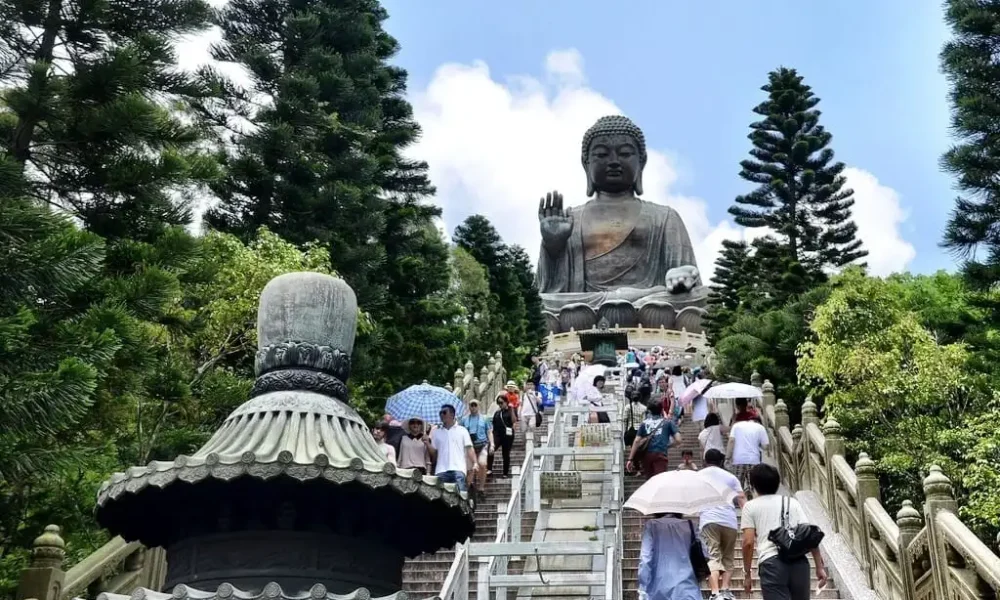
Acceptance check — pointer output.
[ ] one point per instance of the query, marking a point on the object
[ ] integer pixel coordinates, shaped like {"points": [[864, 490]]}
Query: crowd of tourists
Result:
{"points": [[652, 421], [463, 449]]}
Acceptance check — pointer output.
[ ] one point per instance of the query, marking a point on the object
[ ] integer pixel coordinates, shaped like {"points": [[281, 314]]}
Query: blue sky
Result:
{"points": [[689, 74]]}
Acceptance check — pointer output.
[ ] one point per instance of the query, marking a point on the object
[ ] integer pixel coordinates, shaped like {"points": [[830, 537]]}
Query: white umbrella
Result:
{"points": [[694, 390], [681, 492], [584, 382], [732, 390]]}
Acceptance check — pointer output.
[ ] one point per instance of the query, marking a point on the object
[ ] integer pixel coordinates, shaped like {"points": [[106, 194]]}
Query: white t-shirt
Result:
{"points": [[763, 515], [748, 439], [450, 445], [725, 515], [528, 404], [711, 439]]}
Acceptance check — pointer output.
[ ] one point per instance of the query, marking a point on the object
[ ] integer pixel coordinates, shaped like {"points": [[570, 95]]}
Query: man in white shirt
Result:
{"points": [[451, 449], [719, 529], [761, 516], [747, 441]]}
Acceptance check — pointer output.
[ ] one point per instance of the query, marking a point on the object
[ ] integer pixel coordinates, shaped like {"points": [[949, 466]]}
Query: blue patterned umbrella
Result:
{"points": [[422, 401]]}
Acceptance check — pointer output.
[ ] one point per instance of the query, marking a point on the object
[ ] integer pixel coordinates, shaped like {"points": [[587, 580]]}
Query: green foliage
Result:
{"points": [[901, 394], [514, 299], [82, 109], [324, 164], [801, 195]]}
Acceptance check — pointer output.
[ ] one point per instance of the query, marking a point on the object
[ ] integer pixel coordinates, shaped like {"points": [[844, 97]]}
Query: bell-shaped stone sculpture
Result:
{"points": [[291, 497]]}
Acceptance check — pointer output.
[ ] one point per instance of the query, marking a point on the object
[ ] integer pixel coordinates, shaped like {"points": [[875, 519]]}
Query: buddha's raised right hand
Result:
{"points": [[556, 222]]}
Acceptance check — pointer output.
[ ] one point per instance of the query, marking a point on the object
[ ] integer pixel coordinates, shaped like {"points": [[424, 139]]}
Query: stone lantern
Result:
{"points": [[291, 497]]}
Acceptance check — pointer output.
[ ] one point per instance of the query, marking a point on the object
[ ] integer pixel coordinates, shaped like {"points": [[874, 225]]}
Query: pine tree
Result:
{"points": [[728, 289], [324, 164], [514, 298], [801, 196], [973, 68], [84, 109]]}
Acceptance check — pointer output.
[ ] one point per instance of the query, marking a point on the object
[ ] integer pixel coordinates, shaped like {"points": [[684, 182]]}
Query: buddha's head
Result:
{"points": [[614, 154]]}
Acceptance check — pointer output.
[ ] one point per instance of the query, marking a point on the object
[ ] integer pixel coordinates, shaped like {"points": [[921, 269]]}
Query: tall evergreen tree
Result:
{"points": [[324, 163], [512, 290], [973, 68], [82, 109], [729, 283], [801, 196]]}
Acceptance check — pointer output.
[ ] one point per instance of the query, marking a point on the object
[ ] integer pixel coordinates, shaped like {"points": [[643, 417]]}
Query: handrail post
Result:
{"points": [[44, 577], [939, 496], [834, 446]]}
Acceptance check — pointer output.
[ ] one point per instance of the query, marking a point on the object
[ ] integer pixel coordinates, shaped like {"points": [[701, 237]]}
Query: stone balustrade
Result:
{"points": [[932, 556], [117, 567], [490, 381]]}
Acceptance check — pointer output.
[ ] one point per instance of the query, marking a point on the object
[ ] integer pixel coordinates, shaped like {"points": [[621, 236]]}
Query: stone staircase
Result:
{"points": [[424, 575], [633, 521]]}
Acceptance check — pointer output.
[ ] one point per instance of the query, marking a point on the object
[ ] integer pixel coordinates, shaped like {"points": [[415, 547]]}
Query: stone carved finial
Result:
{"points": [[808, 409], [768, 387], [865, 467], [448, 387], [937, 484], [305, 329], [908, 517], [797, 433], [469, 367], [48, 549], [832, 428], [780, 407], [755, 379]]}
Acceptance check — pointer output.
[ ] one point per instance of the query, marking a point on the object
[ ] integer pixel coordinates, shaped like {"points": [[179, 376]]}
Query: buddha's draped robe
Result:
{"points": [[627, 260]]}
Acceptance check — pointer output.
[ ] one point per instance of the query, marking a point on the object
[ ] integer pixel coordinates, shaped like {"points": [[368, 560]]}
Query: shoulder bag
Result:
{"points": [[629, 436], [794, 542], [697, 555]]}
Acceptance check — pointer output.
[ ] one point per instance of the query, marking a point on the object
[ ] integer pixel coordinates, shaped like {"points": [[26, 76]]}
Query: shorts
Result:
{"points": [[456, 477], [742, 472], [720, 542], [483, 455]]}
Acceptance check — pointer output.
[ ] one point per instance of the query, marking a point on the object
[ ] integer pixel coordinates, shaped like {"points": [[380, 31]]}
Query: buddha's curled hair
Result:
{"points": [[614, 125]]}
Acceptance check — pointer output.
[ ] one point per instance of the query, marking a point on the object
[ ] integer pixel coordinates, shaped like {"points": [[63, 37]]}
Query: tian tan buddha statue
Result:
{"points": [[617, 257]]}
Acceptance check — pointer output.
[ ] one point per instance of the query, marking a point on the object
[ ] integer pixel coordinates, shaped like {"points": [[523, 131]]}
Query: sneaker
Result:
{"points": [[717, 596], [727, 595]]}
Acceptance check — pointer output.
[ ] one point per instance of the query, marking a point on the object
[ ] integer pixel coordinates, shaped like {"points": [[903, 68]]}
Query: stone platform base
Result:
{"points": [[678, 343]]}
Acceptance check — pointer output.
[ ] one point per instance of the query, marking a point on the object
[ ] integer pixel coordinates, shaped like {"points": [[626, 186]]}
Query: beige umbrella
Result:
{"points": [[681, 492]]}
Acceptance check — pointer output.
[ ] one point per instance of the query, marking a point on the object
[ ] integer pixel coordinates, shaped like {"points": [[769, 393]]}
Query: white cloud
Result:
{"points": [[495, 148], [878, 215]]}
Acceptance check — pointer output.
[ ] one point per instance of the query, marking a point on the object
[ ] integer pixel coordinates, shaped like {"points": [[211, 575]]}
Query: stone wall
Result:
{"points": [[914, 556]]}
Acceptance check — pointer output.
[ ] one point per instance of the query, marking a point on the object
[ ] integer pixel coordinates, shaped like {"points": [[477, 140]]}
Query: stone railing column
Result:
{"points": [[780, 415], [938, 496], [755, 379], [459, 379], [909, 522], [867, 488], [797, 468], [834, 446], [809, 416], [767, 390], [44, 577]]}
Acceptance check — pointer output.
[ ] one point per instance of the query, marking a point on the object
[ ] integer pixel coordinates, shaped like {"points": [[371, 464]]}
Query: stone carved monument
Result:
{"points": [[616, 257], [291, 497]]}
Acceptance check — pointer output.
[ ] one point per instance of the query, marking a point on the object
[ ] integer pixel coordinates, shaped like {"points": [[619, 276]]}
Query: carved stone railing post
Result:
{"points": [[459, 380], [780, 415], [867, 488], [809, 417], [767, 390], [834, 446], [755, 379], [797, 467], [44, 577], [938, 496], [909, 522]]}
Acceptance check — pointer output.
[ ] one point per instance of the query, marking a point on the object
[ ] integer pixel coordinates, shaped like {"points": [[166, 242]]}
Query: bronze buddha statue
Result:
{"points": [[616, 256]]}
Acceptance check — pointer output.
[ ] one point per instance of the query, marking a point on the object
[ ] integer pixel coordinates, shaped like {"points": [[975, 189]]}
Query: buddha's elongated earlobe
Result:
{"points": [[638, 184], [590, 186]]}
